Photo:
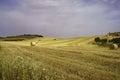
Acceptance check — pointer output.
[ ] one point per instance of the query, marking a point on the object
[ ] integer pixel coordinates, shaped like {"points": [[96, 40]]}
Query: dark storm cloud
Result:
{"points": [[59, 18]]}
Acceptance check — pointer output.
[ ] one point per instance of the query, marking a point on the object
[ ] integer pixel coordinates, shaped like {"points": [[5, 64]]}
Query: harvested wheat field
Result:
{"points": [[60, 59]]}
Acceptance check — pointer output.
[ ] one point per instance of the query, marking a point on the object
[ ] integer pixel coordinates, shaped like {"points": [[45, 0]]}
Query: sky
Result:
{"points": [[59, 18]]}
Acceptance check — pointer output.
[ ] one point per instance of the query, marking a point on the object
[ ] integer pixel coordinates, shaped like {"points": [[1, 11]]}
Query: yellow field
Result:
{"points": [[60, 59]]}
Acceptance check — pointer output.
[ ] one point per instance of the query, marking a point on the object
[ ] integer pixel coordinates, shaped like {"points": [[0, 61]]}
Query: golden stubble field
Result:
{"points": [[58, 59]]}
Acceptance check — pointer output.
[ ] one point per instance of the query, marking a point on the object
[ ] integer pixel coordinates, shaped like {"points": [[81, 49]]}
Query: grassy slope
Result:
{"points": [[69, 59]]}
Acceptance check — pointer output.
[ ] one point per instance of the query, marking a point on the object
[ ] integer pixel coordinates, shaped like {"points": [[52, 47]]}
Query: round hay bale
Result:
{"points": [[33, 43], [54, 39], [113, 46]]}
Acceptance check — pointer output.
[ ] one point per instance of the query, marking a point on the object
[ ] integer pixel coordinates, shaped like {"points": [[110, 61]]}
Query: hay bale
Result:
{"points": [[33, 43], [54, 39], [113, 46]]}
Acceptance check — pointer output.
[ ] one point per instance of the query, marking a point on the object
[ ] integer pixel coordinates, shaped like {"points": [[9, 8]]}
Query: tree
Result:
{"points": [[103, 41], [97, 39]]}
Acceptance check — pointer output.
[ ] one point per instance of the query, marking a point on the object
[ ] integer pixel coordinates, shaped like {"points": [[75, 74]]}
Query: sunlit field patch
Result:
{"points": [[60, 59]]}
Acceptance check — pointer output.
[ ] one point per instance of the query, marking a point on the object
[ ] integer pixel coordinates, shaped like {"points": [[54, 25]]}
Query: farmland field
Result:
{"points": [[58, 59]]}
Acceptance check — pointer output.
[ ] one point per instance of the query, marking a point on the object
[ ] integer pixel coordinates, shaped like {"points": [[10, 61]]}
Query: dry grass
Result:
{"points": [[62, 59], [13, 67]]}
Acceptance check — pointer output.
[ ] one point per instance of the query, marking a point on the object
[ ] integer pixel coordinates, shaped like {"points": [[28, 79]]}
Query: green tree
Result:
{"points": [[97, 39]]}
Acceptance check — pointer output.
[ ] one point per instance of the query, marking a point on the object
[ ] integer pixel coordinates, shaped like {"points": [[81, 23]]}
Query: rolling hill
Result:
{"points": [[19, 37], [58, 59]]}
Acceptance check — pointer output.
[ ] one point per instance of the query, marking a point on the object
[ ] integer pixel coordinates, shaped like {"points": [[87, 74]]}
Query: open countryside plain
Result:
{"points": [[59, 59]]}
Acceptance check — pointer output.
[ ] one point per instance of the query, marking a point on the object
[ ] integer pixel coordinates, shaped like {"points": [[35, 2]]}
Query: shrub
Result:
{"points": [[103, 41], [97, 39], [115, 40]]}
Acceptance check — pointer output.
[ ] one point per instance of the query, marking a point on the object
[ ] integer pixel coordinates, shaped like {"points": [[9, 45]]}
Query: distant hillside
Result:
{"points": [[20, 37], [25, 36], [1, 37], [114, 33]]}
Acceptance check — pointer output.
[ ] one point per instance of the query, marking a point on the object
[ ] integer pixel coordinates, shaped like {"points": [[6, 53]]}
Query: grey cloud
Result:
{"points": [[59, 18]]}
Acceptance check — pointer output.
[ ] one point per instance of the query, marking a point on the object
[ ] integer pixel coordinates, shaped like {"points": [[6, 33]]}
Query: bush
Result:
{"points": [[115, 40], [103, 41], [97, 39]]}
